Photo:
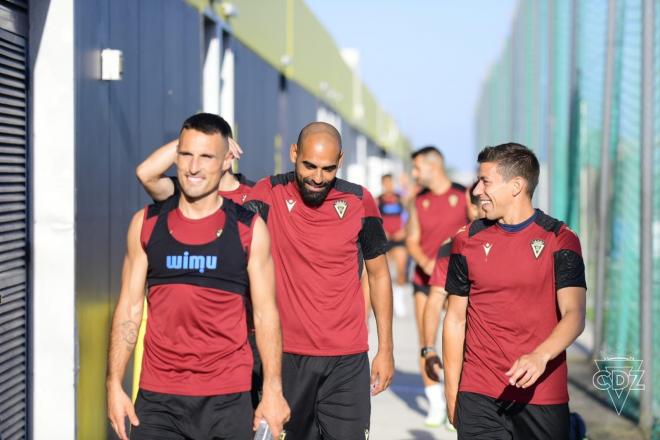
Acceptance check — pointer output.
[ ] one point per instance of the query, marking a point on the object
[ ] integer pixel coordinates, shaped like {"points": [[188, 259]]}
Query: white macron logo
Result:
{"points": [[487, 248]]}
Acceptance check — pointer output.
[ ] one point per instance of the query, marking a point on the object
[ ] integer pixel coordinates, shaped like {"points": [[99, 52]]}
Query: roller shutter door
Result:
{"points": [[13, 220]]}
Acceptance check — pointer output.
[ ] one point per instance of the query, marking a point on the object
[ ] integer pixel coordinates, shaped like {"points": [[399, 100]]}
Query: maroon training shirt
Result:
{"points": [[317, 254], [512, 279], [239, 195], [439, 216]]}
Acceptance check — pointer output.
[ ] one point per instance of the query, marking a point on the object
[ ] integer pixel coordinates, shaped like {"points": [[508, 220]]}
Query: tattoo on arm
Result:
{"points": [[129, 333]]}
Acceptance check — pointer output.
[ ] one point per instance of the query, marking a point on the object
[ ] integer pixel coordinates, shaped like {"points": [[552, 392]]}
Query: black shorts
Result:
{"points": [[419, 288], [174, 417], [329, 396], [483, 417], [257, 371], [396, 243]]}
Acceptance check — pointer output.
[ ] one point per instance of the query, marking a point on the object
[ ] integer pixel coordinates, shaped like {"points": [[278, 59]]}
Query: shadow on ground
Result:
{"points": [[418, 434], [409, 388]]}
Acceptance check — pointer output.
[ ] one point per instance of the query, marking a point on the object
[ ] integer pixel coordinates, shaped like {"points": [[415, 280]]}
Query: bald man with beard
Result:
{"points": [[323, 229]]}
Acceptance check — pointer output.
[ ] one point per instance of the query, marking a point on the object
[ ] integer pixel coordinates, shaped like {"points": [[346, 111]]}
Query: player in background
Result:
{"points": [[437, 212], [392, 209]]}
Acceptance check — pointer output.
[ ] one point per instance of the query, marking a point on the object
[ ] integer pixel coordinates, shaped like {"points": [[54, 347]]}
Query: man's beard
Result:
{"points": [[313, 199]]}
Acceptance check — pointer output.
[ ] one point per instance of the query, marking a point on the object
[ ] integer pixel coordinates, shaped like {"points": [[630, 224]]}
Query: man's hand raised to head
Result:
{"points": [[235, 149]]}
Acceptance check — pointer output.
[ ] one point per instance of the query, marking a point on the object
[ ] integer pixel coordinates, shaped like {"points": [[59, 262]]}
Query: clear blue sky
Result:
{"points": [[425, 61]]}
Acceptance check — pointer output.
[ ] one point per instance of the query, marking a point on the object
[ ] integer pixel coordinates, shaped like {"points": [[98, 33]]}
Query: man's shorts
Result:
{"points": [[329, 396], [174, 417], [420, 281], [483, 417], [396, 243]]}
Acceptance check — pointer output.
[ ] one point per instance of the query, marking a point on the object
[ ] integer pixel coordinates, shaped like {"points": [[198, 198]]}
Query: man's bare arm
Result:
{"points": [[453, 341], [380, 289], [413, 238], [151, 172], [436, 300], [273, 408], [125, 325], [526, 370], [430, 324]]}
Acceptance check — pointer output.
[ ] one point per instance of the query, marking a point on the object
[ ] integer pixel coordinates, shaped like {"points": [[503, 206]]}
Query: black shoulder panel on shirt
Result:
{"points": [[458, 281], [372, 239], [458, 186], [281, 179], [479, 225], [345, 186], [244, 215], [244, 181], [258, 207], [569, 269], [422, 192], [164, 206], [548, 223], [445, 250]]}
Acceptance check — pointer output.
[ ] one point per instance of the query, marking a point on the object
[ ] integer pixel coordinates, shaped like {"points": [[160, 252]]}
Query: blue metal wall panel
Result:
{"points": [[117, 124], [256, 121]]}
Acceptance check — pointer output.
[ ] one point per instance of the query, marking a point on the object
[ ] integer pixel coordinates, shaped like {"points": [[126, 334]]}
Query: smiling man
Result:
{"points": [[516, 289], [322, 229], [196, 252]]}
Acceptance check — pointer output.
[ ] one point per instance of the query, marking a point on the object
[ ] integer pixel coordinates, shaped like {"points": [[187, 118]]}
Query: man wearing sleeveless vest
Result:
{"points": [[233, 186], [196, 252]]}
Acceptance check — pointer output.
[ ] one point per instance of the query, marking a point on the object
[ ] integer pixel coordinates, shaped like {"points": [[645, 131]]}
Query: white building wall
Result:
{"points": [[53, 297]]}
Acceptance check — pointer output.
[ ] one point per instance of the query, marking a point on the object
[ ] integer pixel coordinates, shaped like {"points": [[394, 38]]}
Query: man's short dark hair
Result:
{"points": [[208, 123], [425, 151], [385, 176], [513, 160]]}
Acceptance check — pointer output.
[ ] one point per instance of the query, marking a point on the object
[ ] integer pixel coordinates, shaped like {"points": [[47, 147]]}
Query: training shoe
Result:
{"points": [[399, 301], [437, 407], [435, 418]]}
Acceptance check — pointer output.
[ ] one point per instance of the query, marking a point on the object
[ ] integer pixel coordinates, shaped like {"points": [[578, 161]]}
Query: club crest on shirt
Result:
{"points": [[290, 203], [487, 248], [537, 247], [340, 207], [426, 204], [453, 200]]}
